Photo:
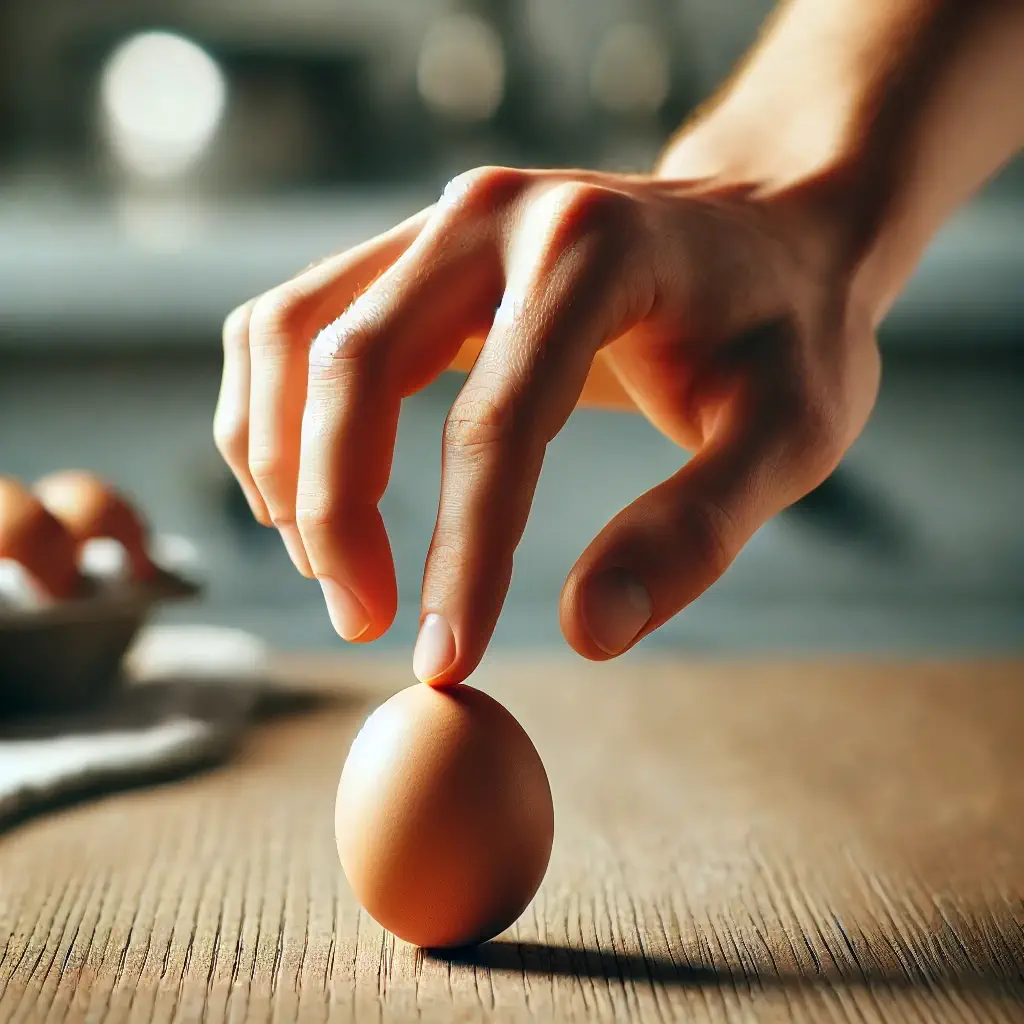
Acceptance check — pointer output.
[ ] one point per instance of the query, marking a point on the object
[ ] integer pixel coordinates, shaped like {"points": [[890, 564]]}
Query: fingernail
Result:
{"points": [[616, 606], [348, 616], [295, 548], [435, 648]]}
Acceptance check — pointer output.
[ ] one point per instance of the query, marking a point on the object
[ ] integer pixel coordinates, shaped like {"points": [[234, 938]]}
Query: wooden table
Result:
{"points": [[734, 842]]}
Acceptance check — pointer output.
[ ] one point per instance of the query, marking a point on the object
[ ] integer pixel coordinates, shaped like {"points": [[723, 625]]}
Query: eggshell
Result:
{"points": [[444, 819], [37, 541], [91, 509]]}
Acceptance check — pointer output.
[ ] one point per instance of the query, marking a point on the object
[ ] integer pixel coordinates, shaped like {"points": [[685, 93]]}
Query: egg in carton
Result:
{"points": [[78, 579]]}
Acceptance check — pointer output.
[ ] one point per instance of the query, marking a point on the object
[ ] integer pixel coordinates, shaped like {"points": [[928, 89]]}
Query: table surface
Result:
{"points": [[734, 842]]}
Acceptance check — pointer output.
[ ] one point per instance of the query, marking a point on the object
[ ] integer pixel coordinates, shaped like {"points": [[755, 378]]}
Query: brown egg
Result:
{"points": [[444, 819], [90, 508], [36, 540]]}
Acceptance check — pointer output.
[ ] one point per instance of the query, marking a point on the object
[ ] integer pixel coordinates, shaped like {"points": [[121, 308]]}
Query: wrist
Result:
{"points": [[833, 208], [869, 122]]}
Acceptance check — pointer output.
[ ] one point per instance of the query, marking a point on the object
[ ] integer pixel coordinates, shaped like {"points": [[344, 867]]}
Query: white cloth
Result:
{"points": [[190, 692]]}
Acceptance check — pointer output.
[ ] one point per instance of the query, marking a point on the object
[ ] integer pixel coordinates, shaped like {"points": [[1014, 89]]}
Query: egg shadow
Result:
{"points": [[987, 977], [502, 955]]}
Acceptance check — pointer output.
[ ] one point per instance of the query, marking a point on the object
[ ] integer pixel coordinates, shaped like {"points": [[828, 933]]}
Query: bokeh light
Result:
{"points": [[461, 70], [630, 73], [162, 98]]}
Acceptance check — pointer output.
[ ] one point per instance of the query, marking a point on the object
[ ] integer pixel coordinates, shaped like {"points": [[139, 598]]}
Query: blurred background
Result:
{"points": [[162, 161]]}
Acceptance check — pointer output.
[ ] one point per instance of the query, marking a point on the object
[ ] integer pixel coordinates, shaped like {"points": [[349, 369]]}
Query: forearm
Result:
{"points": [[887, 113]]}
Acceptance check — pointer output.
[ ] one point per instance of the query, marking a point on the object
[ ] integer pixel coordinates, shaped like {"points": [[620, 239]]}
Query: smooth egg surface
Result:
{"points": [[444, 818]]}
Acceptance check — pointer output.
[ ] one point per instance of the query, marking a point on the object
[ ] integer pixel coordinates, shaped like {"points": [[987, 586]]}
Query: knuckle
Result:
{"points": [[316, 518], [447, 562], [349, 341], [312, 518], [580, 209], [276, 318], [235, 332], [804, 414], [481, 188], [815, 432], [231, 439], [477, 422], [267, 467]]}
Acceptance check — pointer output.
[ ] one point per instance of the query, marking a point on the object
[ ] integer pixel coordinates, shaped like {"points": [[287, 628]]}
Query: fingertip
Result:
{"points": [[436, 651], [604, 612], [458, 620], [349, 555], [664, 550], [351, 615], [256, 504], [348, 614], [571, 621], [615, 607], [289, 533], [381, 602]]}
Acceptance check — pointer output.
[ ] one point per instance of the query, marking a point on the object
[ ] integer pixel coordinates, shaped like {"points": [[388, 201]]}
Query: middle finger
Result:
{"points": [[572, 285]]}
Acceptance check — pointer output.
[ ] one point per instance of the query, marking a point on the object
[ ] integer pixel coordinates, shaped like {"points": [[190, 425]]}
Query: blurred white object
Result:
{"points": [[174, 552], [461, 72], [195, 696], [165, 224], [103, 557], [210, 651], [631, 71], [162, 99], [106, 558], [17, 588], [38, 766]]}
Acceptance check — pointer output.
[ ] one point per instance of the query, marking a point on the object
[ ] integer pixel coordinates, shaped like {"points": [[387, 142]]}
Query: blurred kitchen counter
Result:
{"points": [[162, 272]]}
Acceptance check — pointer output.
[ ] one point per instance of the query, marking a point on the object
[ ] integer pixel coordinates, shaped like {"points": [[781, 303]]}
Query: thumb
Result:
{"points": [[667, 547]]}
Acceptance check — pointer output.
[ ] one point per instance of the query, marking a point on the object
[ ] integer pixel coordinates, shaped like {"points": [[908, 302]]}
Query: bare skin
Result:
{"points": [[731, 297]]}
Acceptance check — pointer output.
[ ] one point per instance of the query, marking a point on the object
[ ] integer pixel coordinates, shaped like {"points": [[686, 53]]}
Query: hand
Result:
{"points": [[709, 306]]}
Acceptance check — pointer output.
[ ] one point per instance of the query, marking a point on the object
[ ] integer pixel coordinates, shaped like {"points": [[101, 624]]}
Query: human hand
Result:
{"points": [[709, 309]]}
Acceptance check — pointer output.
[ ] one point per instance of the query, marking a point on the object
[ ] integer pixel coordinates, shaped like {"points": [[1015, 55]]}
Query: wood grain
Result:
{"points": [[744, 842]]}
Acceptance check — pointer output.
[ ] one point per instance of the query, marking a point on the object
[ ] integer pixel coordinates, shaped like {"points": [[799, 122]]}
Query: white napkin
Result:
{"points": [[189, 695]]}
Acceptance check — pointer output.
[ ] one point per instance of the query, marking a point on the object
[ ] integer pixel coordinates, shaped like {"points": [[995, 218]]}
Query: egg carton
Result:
{"points": [[61, 656]]}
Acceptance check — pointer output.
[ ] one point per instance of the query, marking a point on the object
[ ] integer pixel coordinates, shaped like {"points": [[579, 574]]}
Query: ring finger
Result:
{"points": [[283, 324]]}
